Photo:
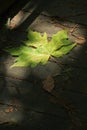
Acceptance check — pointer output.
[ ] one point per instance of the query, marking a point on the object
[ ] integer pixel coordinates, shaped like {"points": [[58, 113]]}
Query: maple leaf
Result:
{"points": [[35, 39], [37, 49]]}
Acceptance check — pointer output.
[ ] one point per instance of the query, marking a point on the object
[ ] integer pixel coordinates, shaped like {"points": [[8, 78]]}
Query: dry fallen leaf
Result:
{"points": [[48, 84], [10, 109], [80, 40]]}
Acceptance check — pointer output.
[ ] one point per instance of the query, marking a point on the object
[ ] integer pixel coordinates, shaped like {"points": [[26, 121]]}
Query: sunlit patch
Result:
{"points": [[38, 50]]}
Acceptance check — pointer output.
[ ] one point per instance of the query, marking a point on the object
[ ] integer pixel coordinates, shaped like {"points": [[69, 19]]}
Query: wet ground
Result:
{"points": [[24, 103]]}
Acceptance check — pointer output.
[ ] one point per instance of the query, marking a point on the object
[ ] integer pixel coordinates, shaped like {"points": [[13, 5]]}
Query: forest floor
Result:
{"points": [[26, 99]]}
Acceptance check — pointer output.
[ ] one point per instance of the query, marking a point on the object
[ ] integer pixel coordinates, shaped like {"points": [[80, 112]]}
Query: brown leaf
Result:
{"points": [[48, 84], [9, 109], [80, 40]]}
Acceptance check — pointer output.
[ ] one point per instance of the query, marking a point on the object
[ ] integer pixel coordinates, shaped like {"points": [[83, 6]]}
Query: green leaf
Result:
{"points": [[30, 57], [35, 39], [18, 50], [60, 39], [37, 49], [64, 50], [13, 51]]}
